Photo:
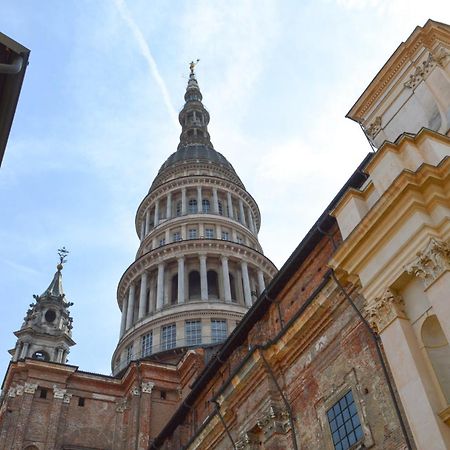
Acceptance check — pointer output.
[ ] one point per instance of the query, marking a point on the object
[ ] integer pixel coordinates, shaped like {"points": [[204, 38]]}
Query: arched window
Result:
{"points": [[192, 205], [41, 355], [174, 292], [194, 285], [213, 284], [232, 288], [438, 350], [178, 209], [220, 208], [206, 207]]}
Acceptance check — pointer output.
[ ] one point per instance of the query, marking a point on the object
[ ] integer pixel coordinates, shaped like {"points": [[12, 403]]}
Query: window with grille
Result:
{"points": [[192, 233], [206, 206], [129, 353], [193, 332], [162, 241], [168, 336], [209, 233], [344, 422], [219, 330], [176, 236], [225, 235], [220, 208], [239, 239], [178, 209], [192, 206], [147, 342]]}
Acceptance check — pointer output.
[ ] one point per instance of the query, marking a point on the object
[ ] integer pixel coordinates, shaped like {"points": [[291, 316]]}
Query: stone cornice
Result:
{"points": [[427, 36], [192, 181], [185, 248], [408, 193], [430, 263]]}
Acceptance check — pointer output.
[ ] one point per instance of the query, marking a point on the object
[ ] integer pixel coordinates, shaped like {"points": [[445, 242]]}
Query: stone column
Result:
{"points": [[142, 229], [242, 212], [169, 205], [230, 205], [409, 369], [147, 221], [143, 295], [246, 282], [152, 298], [59, 395], [156, 217], [215, 201], [250, 220], [203, 278], [59, 356], [261, 283], [199, 199], [181, 295], [183, 201], [226, 278], [25, 348], [160, 287], [123, 320], [130, 309], [17, 352]]}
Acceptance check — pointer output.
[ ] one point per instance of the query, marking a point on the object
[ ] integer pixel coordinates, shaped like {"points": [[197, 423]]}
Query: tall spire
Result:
{"points": [[193, 117]]}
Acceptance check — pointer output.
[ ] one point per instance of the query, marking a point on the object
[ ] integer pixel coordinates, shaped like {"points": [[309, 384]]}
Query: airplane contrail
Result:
{"points": [[147, 54]]}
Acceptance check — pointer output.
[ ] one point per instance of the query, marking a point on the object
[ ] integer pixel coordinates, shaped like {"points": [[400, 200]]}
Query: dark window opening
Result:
{"points": [[194, 285], [174, 296], [80, 401], [163, 395], [43, 393], [213, 284], [50, 315], [232, 288], [41, 356]]}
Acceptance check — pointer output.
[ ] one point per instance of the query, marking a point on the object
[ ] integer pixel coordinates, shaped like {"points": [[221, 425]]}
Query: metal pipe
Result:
{"points": [[216, 403], [14, 68], [377, 340], [286, 403]]}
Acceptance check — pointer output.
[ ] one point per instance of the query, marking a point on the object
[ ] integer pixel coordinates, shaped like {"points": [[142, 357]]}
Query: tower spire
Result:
{"points": [[194, 118]]}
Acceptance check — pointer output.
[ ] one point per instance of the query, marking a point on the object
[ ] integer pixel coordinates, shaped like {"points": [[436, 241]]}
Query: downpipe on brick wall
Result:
{"points": [[376, 338]]}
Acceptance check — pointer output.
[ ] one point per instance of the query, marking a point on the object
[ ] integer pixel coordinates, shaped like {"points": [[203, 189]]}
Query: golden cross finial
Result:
{"points": [[192, 65]]}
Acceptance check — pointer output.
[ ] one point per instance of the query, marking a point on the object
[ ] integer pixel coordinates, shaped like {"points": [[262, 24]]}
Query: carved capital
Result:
{"points": [[136, 391], [29, 388], [58, 392], [383, 310], [421, 72], [66, 398], [147, 387], [373, 129], [19, 389], [248, 441], [274, 420], [121, 406], [441, 56], [431, 263]]}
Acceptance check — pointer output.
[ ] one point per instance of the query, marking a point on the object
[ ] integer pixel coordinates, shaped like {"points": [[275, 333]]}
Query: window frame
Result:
{"points": [[168, 341]]}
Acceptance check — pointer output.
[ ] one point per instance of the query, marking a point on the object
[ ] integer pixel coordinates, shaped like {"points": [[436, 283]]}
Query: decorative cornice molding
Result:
{"points": [[383, 310], [431, 263]]}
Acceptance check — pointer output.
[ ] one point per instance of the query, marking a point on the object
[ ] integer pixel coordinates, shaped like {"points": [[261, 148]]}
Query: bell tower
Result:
{"points": [[46, 333]]}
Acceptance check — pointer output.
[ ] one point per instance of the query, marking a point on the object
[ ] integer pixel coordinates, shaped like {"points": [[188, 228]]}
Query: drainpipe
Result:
{"points": [[376, 339], [14, 68], [217, 407]]}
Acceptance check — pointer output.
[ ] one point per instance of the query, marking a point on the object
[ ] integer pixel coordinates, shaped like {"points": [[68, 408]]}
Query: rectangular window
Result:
{"points": [[176, 236], [193, 332], [239, 239], [225, 235], [209, 233], [344, 423], [162, 241], [168, 337], [192, 233], [147, 342], [129, 353], [219, 330]]}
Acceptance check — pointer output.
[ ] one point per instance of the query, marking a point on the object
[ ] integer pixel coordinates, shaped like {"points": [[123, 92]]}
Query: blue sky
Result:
{"points": [[97, 118]]}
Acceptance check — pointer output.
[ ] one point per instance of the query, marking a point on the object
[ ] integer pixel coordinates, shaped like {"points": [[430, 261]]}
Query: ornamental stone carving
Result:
{"points": [[248, 441], [29, 388], [147, 387], [423, 70], [373, 129], [441, 56], [383, 310], [136, 391], [19, 390], [274, 420], [66, 398], [59, 392], [431, 263], [121, 406]]}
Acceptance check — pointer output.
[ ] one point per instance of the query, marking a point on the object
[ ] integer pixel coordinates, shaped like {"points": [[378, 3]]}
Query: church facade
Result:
{"points": [[345, 347]]}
